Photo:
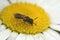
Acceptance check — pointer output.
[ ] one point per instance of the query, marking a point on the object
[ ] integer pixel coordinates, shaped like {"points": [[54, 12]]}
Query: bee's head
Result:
{"points": [[19, 16]]}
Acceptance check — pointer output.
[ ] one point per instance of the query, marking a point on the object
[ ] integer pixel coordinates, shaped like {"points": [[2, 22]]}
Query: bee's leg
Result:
{"points": [[9, 1], [35, 24], [35, 18]]}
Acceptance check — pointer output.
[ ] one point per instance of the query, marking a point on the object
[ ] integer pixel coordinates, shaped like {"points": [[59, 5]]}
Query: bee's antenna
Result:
{"points": [[9, 1], [35, 18]]}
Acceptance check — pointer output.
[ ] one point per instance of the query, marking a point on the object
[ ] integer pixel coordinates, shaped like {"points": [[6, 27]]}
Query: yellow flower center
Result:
{"points": [[25, 18]]}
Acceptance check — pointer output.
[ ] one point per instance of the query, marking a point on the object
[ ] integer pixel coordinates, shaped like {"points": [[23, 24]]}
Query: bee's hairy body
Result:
{"points": [[25, 18]]}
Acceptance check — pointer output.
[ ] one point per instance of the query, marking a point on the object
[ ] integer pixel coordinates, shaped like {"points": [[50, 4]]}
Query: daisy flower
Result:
{"points": [[29, 20]]}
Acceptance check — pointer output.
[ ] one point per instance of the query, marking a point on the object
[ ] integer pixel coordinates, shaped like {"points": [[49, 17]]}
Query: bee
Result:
{"points": [[25, 18]]}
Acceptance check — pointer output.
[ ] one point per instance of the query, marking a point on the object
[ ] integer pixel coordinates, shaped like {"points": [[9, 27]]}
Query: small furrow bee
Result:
{"points": [[25, 18]]}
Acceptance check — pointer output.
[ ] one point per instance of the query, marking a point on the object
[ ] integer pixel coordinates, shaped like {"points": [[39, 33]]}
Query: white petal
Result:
{"points": [[13, 1], [48, 36], [55, 27], [3, 4], [29, 1], [51, 2], [54, 34], [32, 1], [38, 37], [53, 9], [21, 37], [13, 36], [22, 0], [29, 37], [5, 34], [2, 28]]}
